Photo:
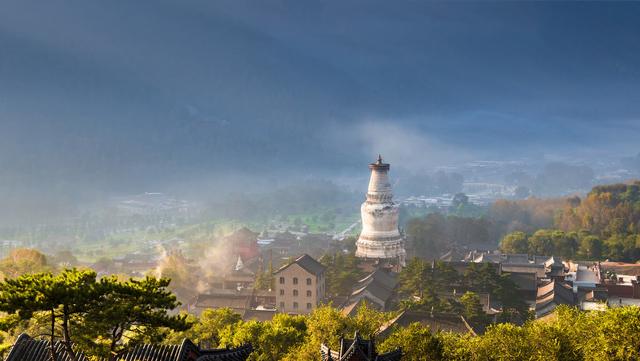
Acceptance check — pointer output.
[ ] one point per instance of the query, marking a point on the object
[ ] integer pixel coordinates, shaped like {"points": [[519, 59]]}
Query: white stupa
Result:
{"points": [[380, 237]]}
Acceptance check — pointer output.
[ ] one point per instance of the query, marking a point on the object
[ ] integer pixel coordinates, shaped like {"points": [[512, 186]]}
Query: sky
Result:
{"points": [[122, 96]]}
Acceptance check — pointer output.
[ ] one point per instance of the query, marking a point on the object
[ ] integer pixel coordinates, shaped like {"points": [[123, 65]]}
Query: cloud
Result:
{"points": [[405, 146]]}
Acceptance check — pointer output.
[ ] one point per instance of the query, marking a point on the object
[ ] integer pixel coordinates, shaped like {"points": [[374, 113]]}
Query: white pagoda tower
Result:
{"points": [[380, 237]]}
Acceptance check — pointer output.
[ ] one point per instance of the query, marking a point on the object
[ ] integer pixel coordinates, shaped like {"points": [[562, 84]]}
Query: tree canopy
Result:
{"points": [[104, 317]]}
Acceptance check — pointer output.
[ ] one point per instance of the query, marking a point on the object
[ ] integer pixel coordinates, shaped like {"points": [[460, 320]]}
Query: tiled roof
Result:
{"points": [[585, 274], [259, 315], [524, 280], [308, 263], [352, 308], [358, 349], [436, 322], [386, 278], [515, 259], [551, 295], [511, 259], [535, 269], [379, 283], [235, 301], [29, 349], [376, 290]]}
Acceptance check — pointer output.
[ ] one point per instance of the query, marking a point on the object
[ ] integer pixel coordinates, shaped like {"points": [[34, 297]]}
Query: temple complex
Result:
{"points": [[380, 237]]}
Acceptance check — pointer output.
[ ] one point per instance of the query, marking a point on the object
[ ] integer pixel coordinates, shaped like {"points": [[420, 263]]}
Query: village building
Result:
{"points": [[300, 285], [541, 266], [376, 290], [29, 349], [437, 322], [623, 286], [259, 314], [553, 294], [380, 238], [280, 247], [243, 243], [357, 349], [240, 301], [237, 300], [620, 268], [239, 276], [527, 284], [553, 266], [583, 277]]}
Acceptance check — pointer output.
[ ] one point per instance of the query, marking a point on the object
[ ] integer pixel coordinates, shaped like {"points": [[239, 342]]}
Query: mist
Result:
{"points": [[200, 100]]}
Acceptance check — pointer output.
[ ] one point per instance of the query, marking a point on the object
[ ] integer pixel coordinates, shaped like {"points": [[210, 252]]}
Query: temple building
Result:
{"points": [[30, 349], [243, 243], [380, 237], [358, 349]]}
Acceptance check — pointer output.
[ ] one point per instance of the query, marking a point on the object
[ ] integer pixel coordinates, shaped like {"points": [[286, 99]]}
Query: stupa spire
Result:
{"points": [[380, 237]]}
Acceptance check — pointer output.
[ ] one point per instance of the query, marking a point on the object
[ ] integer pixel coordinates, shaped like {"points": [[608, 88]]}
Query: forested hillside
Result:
{"points": [[603, 225]]}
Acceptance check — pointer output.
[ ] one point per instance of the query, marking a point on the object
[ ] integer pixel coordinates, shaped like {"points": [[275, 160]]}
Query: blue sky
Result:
{"points": [[120, 93]]}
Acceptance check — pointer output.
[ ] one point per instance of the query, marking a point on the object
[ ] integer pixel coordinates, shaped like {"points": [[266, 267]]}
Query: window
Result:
{"points": [[295, 293], [308, 281], [281, 292], [308, 306], [282, 305], [308, 293], [295, 280], [295, 305], [281, 280]]}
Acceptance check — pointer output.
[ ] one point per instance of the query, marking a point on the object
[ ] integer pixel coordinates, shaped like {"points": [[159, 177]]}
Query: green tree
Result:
{"points": [[472, 309], [324, 325], [565, 244], [513, 306], [64, 297], [206, 329], [481, 277], [98, 313], [129, 313], [541, 243], [342, 273], [367, 321], [590, 248], [428, 234], [411, 278], [271, 340], [416, 341], [264, 279], [516, 242], [502, 342], [556, 340], [615, 336]]}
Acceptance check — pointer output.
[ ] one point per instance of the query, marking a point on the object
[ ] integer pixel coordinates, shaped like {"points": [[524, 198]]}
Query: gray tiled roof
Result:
{"points": [[524, 280], [583, 274], [308, 263], [379, 284], [358, 349], [436, 321], [553, 294], [385, 278], [29, 349]]}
